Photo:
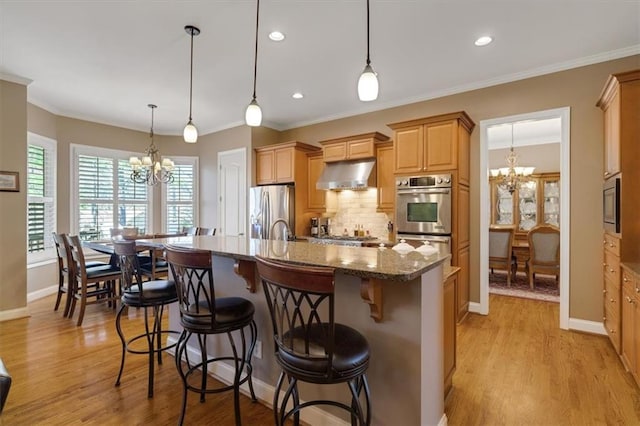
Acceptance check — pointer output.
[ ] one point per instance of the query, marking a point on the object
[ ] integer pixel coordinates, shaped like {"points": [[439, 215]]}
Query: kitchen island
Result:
{"points": [[394, 300]]}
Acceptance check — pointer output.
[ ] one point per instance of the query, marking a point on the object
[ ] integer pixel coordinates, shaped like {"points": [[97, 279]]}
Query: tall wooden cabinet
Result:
{"points": [[385, 177], [620, 103], [435, 145]]}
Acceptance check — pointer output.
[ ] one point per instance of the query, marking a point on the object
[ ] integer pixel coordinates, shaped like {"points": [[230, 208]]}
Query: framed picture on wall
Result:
{"points": [[9, 181]]}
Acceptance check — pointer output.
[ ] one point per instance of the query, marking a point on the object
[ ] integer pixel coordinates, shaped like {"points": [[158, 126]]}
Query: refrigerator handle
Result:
{"points": [[265, 216]]}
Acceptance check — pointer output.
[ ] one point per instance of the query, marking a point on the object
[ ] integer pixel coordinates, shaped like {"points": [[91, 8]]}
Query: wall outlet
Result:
{"points": [[257, 351]]}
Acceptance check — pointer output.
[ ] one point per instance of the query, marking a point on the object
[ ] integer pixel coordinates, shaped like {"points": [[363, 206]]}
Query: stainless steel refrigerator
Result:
{"points": [[272, 212]]}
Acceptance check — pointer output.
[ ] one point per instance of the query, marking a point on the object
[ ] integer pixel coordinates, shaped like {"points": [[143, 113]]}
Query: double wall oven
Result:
{"points": [[423, 209]]}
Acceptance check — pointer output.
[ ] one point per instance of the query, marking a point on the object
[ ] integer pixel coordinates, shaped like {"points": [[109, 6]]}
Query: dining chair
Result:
{"points": [[91, 285], [544, 251], [126, 232], [206, 231], [501, 250], [5, 384], [190, 230], [152, 297], [65, 280], [309, 345], [202, 314]]}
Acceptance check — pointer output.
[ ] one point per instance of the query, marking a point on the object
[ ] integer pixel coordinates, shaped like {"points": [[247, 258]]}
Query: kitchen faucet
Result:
{"points": [[289, 233]]}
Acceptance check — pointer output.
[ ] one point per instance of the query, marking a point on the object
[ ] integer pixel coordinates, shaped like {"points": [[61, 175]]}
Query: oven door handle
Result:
{"points": [[423, 191]]}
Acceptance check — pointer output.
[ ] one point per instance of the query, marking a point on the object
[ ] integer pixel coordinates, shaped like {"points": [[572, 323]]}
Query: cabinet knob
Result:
{"points": [[606, 173], [611, 245], [612, 331], [604, 242], [637, 290], [604, 291], [604, 264], [628, 299], [612, 300], [625, 279], [611, 270]]}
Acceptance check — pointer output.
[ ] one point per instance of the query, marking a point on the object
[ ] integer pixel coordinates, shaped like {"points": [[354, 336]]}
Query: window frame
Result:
{"points": [[75, 150], [51, 173], [184, 160]]}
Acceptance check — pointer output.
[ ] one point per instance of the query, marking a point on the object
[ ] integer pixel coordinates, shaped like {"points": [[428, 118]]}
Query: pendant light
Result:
{"points": [[253, 115], [190, 131], [368, 81]]}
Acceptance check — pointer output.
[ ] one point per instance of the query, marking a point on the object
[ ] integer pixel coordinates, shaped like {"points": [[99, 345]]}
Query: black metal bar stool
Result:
{"points": [[309, 345], [152, 296], [203, 314]]}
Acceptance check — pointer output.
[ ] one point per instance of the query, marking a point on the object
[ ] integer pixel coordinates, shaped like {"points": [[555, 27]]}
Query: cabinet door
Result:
{"points": [[265, 174], [501, 204], [441, 146], [463, 215], [409, 150], [284, 165], [550, 201], [462, 291], [316, 197], [612, 136], [335, 152], [363, 148], [628, 347], [527, 206], [386, 181], [449, 320]]}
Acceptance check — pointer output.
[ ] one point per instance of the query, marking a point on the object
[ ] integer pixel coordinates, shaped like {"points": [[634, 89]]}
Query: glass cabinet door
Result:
{"points": [[527, 205], [503, 206], [551, 207]]}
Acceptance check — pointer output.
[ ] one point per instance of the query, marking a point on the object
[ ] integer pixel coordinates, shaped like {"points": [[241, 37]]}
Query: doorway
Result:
{"points": [[232, 188], [485, 209]]}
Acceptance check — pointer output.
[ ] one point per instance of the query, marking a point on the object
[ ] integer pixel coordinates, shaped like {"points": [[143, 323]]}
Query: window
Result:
{"points": [[181, 196], [41, 196], [105, 196]]}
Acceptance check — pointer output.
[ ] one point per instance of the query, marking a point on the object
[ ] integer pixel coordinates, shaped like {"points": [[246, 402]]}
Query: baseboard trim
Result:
{"points": [[593, 327], [14, 314], [475, 308], [44, 292], [265, 392]]}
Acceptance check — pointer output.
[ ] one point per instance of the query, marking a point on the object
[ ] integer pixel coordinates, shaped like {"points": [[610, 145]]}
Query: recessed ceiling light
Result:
{"points": [[276, 36], [483, 41], [297, 95]]}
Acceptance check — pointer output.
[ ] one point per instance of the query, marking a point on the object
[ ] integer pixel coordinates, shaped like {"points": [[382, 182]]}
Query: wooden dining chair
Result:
{"points": [[501, 249], [65, 279], [190, 230], [206, 231], [91, 285], [544, 251]]}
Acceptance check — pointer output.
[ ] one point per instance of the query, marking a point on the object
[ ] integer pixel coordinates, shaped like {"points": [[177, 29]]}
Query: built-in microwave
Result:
{"points": [[611, 204]]}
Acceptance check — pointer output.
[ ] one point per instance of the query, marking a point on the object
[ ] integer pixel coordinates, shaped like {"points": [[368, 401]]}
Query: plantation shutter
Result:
{"points": [[41, 214], [180, 199]]}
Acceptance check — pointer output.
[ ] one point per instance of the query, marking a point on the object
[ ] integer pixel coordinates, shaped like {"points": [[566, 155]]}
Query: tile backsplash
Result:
{"points": [[359, 208]]}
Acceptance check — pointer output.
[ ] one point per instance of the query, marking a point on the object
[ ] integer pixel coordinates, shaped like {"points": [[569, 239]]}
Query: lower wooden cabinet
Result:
{"points": [[450, 319], [462, 287], [630, 342], [611, 291]]}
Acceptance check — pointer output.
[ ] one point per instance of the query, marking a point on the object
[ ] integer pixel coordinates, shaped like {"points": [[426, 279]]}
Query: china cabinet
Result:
{"points": [[535, 201]]}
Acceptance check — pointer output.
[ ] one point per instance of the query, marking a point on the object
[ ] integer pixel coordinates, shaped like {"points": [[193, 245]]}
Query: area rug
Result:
{"points": [[545, 286]]}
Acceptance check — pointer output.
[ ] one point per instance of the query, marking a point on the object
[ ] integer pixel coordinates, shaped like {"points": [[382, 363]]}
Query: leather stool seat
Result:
{"points": [[231, 312], [153, 292]]}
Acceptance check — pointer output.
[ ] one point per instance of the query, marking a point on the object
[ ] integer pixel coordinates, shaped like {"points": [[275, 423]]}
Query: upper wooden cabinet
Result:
{"points": [[280, 163], [352, 147], [316, 200], [619, 100], [385, 177], [434, 144]]}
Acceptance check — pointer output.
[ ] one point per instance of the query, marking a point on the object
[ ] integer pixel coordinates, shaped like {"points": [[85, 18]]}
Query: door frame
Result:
{"points": [[565, 222]]}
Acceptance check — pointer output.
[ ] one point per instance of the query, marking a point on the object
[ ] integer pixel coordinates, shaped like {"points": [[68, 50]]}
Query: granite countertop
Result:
{"points": [[365, 262]]}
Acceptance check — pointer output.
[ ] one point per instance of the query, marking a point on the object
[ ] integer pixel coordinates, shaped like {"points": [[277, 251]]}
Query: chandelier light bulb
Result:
{"points": [[368, 85], [253, 115], [190, 133]]}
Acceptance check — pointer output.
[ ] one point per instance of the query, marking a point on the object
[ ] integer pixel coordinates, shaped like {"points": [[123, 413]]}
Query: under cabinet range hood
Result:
{"points": [[355, 174]]}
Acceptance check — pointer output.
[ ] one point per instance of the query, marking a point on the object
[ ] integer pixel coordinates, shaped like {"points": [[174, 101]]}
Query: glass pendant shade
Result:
{"points": [[253, 115], [190, 133], [368, 85]]}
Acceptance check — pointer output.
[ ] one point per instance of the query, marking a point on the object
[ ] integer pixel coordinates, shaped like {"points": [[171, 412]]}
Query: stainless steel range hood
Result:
{"points": [[355, 174]]}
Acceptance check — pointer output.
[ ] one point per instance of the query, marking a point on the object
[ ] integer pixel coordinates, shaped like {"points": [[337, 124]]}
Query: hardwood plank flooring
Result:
{"points": [[516, 367], [65, 375]]}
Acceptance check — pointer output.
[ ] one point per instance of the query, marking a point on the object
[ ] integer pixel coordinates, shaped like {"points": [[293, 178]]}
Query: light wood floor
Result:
{"points": [[516, 367]]}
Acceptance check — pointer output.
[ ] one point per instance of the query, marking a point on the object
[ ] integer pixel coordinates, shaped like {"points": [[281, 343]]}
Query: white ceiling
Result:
{"points": [[104, 61]]}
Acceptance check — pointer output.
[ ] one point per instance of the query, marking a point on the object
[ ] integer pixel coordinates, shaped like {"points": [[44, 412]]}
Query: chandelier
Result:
{"points": [[151, 169], [512, 175]]}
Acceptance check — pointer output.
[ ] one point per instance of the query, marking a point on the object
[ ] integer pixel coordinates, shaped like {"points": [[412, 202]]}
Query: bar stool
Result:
{"points": [[203, 314], [151, 296], [309, 345]]}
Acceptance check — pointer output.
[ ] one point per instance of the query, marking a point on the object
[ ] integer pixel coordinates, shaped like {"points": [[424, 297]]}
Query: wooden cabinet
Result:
{"points": [[288, 163], [315, 197], [534, 202], [611, 292], [630, 351], [352, 147], [449, 321], [462, 289], [433, 144], [385, 177]]}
